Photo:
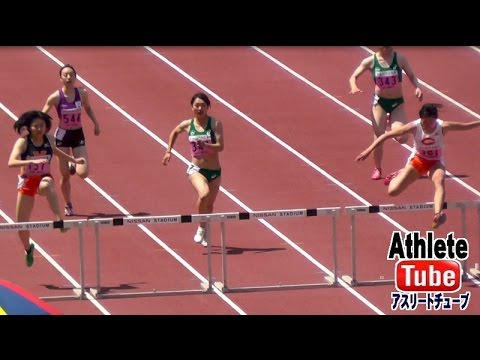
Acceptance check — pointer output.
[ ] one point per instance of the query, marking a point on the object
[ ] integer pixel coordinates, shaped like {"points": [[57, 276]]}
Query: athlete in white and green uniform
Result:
{"points": [[386, 67], [387, 78], [205, 135]]}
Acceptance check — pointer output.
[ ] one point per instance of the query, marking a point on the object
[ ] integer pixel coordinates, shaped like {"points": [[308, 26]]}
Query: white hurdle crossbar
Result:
{"points": [[374, 209]]}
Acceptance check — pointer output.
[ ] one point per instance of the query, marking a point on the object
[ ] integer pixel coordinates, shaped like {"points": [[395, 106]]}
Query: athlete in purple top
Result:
{"points": [[69, 136]]}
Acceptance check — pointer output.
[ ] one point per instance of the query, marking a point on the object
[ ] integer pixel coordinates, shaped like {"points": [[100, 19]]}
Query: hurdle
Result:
{"points": [[98, 292], [332, 212], [375, 209], [475, 271], [78, 293]]}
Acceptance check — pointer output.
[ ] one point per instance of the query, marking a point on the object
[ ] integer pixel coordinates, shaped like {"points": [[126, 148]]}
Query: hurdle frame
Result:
{"points": [[475, 271], [78, 293], [98, 292], [375, 209], [333, 212]]}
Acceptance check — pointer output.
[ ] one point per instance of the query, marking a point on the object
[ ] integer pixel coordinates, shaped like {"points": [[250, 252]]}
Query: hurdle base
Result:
{"points": [[225, 289], [153, 293], [354, 282], [77, 295], [475, 273], [219, 285]]}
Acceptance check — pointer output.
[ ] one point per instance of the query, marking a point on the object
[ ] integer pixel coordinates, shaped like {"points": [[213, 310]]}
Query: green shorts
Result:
{"points": [[389, 105]]}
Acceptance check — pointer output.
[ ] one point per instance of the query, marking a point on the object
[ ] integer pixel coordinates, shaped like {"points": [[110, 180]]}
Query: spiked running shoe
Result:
{"points": [[68, 210], [199, 235], [377, 174], [439, 219], [390, 176], [29, 255]]}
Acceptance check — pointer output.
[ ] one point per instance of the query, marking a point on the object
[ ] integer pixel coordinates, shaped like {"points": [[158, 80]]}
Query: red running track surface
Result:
{"points": [[324, 138]]}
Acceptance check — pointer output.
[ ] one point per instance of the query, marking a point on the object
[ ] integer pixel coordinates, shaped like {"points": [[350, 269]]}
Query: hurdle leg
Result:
{"points": [[464, 234], [352, 281], [223, 285], [334, 281], [476, 270], [208, 287], [80, 293], [97, 291]]}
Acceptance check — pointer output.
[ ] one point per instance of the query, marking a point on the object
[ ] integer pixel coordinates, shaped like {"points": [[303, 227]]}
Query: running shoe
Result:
{"points": [[377, 174], [439, 219], [29, 255], [68, 210], [390, 176], [199, 235]]}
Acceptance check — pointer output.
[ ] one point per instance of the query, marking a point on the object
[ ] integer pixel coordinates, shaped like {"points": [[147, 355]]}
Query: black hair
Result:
{"points": [[201, 96], [26, 119], [67, 66], [429, 110]]}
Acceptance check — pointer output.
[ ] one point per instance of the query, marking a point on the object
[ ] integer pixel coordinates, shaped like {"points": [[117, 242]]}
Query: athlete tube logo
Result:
{"points": [[428, 271]]}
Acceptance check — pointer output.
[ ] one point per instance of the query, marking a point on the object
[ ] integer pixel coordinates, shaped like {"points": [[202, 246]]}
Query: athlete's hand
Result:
{"points": [[363, 155], [166, 158], [80, 161], [419, 94], [355, 90], [39, 161]]}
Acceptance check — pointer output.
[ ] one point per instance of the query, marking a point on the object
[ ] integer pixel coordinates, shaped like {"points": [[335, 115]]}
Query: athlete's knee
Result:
{"points": [[439, 184], [46, 187], [393, 191], [83, 174], [203, 195]]}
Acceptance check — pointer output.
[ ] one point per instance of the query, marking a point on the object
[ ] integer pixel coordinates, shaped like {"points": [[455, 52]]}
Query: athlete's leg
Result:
{"points": [[65, 179], [82, 169], [200, 184], [398, 118], [437, 175], [24, 209], [47, 188], [403, 180], [379, 123]]}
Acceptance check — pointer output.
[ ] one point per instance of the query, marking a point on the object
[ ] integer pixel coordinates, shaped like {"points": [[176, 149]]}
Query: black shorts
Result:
{"points": [[69, 138]]}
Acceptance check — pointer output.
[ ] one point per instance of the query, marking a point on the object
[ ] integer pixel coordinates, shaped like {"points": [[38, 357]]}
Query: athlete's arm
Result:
{"points": [[89, 110], [183, 126], [365, 65], [404, 64]]}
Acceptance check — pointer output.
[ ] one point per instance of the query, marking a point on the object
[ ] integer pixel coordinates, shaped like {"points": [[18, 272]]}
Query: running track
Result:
{"points": [[292, 132]]}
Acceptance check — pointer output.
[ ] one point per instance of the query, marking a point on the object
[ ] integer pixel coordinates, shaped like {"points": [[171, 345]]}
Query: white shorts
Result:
{"points": [[192, 169]]}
